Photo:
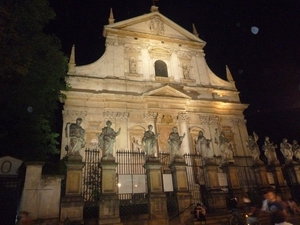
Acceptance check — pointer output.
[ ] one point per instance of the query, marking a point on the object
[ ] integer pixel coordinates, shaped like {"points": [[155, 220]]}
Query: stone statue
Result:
{"points": [[175, 142], [270, 152], [296, 149], [132, 65], [136, 146], [149, 141], [76, 137], [107, 139], [186, 71], [202, 146], [226, 149], [286, 150], [252, 145]]}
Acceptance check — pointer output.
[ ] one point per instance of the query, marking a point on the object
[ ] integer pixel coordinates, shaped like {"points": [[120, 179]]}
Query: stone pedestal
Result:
{"points": [[216, 198], [281, 186], [261, 176], [157, 199], [72, 203], [293, 171], [109, 203], [181, 190], [234, 182]]}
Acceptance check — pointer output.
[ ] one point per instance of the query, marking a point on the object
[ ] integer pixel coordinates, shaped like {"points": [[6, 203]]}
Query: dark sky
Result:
{"points": [[265, 65]]}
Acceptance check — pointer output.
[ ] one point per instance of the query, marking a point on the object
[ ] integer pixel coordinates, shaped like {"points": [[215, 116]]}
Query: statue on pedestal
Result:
{"points": [[270, 152], [226, 149], [252, 145], [286, 150], [149, 141], [175, 141], [296, 149], [202, 146], [107, 139], [76, 137]]}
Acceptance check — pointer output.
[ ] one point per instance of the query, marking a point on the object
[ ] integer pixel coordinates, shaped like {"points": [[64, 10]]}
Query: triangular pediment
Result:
{"points": [[153, 23], [167, 91]]}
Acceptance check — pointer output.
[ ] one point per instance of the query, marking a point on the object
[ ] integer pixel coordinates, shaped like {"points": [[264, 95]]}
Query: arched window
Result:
{"points": [[161, 68]]}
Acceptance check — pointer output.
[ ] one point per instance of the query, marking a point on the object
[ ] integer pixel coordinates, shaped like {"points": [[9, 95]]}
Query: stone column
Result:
{"points": [[181, 190], [281, 186], [72, 203], [157, 199], [216, 198], [183, 129], [109, 202], [234, 182], [30, 197]]}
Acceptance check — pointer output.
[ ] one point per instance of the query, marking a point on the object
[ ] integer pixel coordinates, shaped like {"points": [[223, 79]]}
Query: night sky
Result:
{"points": [[264, 62]]}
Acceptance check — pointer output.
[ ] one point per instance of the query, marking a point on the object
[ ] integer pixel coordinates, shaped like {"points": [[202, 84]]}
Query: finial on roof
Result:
{"points": [[229, 75], [71, 63], [111, 18], [195, 31], [154, 8]]}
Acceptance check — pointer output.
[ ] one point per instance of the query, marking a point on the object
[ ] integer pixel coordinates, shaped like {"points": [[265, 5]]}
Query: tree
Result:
{"points": [[32, 74]]}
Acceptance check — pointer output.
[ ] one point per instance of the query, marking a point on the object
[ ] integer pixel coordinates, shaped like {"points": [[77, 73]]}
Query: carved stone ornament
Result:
{"points": [[110, 41], [183, 117], [150, 116], [74, 113], [109, 115], [237, 121], [184, 54], [122, 116], [167, 118], [210, 120], [156, 26]]}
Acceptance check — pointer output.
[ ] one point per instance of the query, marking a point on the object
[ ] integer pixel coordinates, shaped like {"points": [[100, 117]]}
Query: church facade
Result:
{"points": [[154, 72], [153, 75]]}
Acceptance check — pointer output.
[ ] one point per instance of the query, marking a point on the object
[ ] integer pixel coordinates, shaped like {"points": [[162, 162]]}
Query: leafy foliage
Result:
{"points": [[32, 73]]}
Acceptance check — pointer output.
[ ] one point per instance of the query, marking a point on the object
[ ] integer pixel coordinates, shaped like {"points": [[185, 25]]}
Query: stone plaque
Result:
{"points": [[167, 182]]}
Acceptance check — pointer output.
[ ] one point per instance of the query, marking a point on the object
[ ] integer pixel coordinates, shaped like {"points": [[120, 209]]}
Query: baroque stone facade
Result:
{"points": [[153, 72]]}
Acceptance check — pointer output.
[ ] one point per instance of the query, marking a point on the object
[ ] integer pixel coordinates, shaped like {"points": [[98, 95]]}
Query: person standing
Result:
{"points": [[274, 206]]}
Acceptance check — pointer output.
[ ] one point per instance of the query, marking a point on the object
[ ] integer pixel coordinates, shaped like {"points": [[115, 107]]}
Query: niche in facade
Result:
{"points": [[161, 69]]}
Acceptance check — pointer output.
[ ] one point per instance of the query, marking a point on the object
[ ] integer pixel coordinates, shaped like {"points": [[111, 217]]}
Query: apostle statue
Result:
{"points": [[203, 148], [149, 141], [76, 137], [175, 141], [296, 149], [107, 139], [252, 145], [226, 149], [270, 152], [286, 150]]}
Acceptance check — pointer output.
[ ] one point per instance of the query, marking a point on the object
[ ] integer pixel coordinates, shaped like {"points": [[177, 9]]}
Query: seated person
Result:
{"points": [[199, 212]]}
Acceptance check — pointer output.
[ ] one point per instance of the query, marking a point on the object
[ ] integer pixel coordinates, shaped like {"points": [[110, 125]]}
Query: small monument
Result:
{"points": [[149, 142]]}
